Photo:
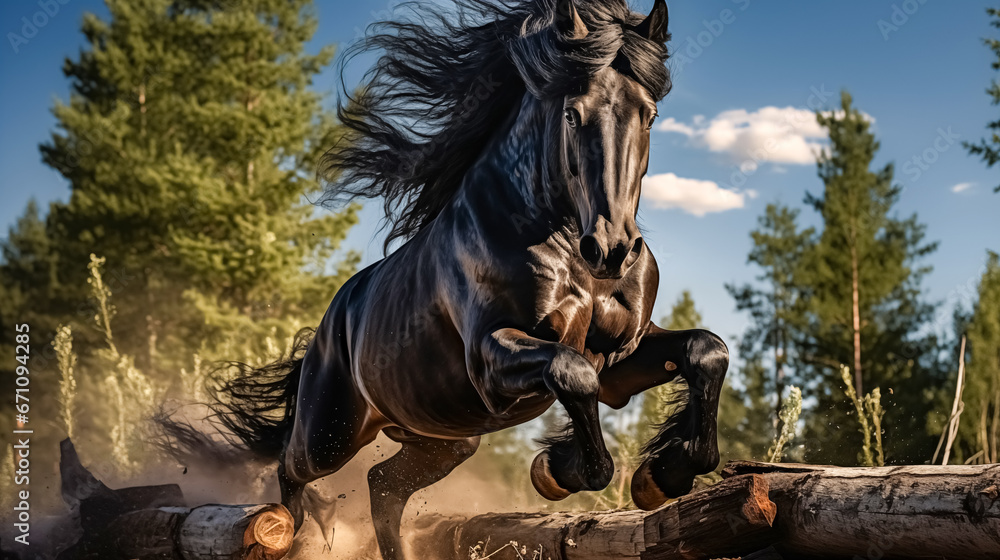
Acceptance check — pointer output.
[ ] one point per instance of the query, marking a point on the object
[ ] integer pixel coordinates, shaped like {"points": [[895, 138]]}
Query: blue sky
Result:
{"points": [[746, 71]]}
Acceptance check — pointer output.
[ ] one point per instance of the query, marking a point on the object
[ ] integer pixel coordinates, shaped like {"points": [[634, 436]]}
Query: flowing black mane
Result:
{"points": [[447, 78]]}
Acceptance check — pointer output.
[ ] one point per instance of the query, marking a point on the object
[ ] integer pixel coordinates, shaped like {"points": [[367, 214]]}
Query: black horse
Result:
{"points": [[509, 143]]}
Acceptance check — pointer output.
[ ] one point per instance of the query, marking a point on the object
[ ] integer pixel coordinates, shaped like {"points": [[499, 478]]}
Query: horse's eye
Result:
{"points": [[572, 117], [652, 119]]}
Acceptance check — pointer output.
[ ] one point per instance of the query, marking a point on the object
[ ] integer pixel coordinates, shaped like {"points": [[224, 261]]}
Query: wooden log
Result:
{"points": [[95, 504], [884, 512], [209, 532], [730, 518], [153, 523], [146, 534], [561, 536], [723, 520], [259, 532], [822, 512]]}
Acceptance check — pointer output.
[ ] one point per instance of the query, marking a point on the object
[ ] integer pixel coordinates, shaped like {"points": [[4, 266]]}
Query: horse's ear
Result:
{"points": [[568, 21], [654, 27]]}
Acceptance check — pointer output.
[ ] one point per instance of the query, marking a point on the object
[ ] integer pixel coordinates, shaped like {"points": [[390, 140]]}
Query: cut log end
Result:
{"points": [[759, 509], [269, 534]]}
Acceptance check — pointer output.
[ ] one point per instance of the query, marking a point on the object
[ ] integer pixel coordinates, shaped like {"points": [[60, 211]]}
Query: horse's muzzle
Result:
{"points": [[609, 263]]}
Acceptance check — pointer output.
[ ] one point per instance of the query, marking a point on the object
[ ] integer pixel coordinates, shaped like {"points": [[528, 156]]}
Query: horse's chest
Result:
{"points": [[599, 321]]}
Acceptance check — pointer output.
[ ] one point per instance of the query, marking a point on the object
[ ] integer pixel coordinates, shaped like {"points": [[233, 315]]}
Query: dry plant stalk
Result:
{"points": [[193, 382], [132, 392], [873, 405], [950, 431], [958, 406], [119, 449], [870, 412], [66, 359], [102, 293], [791, 408]]}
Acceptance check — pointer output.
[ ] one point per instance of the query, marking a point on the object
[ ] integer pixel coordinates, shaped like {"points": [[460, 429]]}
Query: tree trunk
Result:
{"points": [[821, 512], [209, 532], [995, 437], [779, 365], [728, 518], [856, 321], [884, 512], [153, 523]]}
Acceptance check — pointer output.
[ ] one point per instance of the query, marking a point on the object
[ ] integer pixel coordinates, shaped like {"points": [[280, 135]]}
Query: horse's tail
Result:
{"points": [[255, 409]]}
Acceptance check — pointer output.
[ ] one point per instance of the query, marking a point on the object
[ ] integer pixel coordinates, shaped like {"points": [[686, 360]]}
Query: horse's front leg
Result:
{"points": [[508, 365], [686, 444]]}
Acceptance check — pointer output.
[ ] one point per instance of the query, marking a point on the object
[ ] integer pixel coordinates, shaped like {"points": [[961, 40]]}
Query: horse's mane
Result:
{"points": [[445, 81]]}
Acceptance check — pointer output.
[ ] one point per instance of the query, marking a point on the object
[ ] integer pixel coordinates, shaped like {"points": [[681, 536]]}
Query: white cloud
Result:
{"points": [[671, 125], [693, 196], [962, 187], [771, 134]]}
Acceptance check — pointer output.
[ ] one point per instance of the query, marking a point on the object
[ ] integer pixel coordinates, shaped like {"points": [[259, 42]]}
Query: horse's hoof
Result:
{"points": [[645, 493], [543, 481], [649, 494]]}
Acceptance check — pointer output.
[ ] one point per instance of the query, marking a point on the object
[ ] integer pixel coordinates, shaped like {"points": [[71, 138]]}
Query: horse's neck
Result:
{"points": [[518, 170]]}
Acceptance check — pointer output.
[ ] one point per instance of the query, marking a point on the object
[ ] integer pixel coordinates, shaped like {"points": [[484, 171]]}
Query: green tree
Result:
{"points": [[28, 277], [683, 315], [746, 416], [776, 303], [989, 148], [862, 280], [768, 349], [190, 141], [978, 436], [29, 294]]}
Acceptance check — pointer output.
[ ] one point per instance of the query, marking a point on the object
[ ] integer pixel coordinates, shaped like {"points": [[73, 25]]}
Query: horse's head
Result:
{"points": [[605, 152], [600, 127]]}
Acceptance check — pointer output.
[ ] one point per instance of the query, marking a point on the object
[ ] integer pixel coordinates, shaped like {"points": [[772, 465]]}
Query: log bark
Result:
{"points": [[96, 505], [729, 518], [822, 512], [208, 532], [884, 512], [154, 523]]}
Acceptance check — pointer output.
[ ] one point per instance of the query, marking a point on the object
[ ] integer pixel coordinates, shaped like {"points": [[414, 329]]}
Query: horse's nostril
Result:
{"points": [[591, 250], [636, 247], [633, 254], [616, 258]]}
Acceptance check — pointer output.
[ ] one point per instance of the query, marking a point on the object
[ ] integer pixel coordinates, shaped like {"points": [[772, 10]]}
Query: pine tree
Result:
{"points": [[683, 315], [978, 437], [28, 282], [746, 412], [989, 149], [776, 303], [768, 349], [863, 283], [190, 142], [28, 294]]}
